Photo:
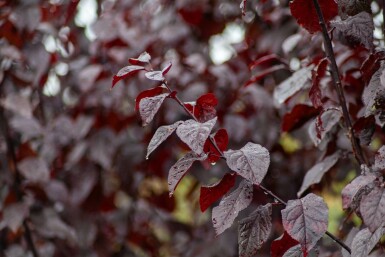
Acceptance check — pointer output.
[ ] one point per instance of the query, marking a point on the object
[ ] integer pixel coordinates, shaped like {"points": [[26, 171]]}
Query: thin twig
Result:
{"points": [[357, 150], [17, 180], [383, 18], [264, 189]]}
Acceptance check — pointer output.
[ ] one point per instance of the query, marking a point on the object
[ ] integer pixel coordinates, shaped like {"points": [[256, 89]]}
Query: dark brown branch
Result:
{"points": [[383, 18], [264, 189], [17, 180], [357, 150]]}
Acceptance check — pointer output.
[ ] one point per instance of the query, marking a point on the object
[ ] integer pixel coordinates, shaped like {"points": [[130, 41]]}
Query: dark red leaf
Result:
{"points": [[221, 139], [207, 99], [315, 91], [364, 128], [305, 14], [298, 116], [166, 69], [125, 72], [210, 194], [147, 93], [280, 245], [204, 109], [371, 65], [143, 58]]}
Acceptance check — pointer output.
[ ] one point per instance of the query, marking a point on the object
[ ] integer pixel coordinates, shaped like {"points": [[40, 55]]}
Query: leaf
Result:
{"points": [[14, 215], [254, 230], [243, 7], [323, 124], [194, 133], [204, 108], [125, 72], [149, 106], [306, 220], [210, 194], [315, 174], [221, 139], [315, 94], [357, 29], [143, 58], [147, 93], [166, 69], [179, 169], [364, 129], [154, 75], [353, 192], [281, 245], [348, 8], [231, 204], [298, 116], [379, 159], [374, 90], [161, 134], [300, 79], [305, 14], [251, 162], [365, 241], [372, 208], [34, 169], [295, 251]]}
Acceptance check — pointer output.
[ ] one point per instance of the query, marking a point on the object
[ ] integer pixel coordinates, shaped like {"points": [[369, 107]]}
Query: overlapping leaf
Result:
{"points": [[161, 134], [379, 159], [281, 245], [251, 162], [315, 94], [194, 133], [155, 75], [365, 241], [298, 80], [323, 124], [149, 106], [254, 230], [353, 192], [125, 72], [212, 193], [143, 58], [357, 29], [305, 14], [306, 220], [315, 174], [372, 208], [298, 116], [373, 90], [225, 213], [221, 139], [179, 169]]}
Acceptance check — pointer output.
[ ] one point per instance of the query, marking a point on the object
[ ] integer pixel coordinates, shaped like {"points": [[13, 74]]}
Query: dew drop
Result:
{"points": [[265, 193], [213, 163]]}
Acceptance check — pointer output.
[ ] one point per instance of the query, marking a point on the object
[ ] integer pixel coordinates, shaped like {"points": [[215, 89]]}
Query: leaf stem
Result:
{"points": [[264, 189], [357, 150]]}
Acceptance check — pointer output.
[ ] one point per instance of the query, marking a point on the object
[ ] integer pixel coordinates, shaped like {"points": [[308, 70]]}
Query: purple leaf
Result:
{"points": [[295, 251], [154, 75], [254, 230], [194, 133], [179, 169], [364, 129], [149, 106], [231, 204], [357, 29], [353, 192], [161, 134], [365, 241], [379, 159], [306, 220], [251, 162], [323, 124], [292, 85], [372, 208], [125, 72], [373, 90], [34, 170], [315, 174]]}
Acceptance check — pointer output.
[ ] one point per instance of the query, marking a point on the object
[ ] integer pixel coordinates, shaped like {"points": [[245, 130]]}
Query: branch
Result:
{"points": [[357, 150], [17, 180], [264, 189]]}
